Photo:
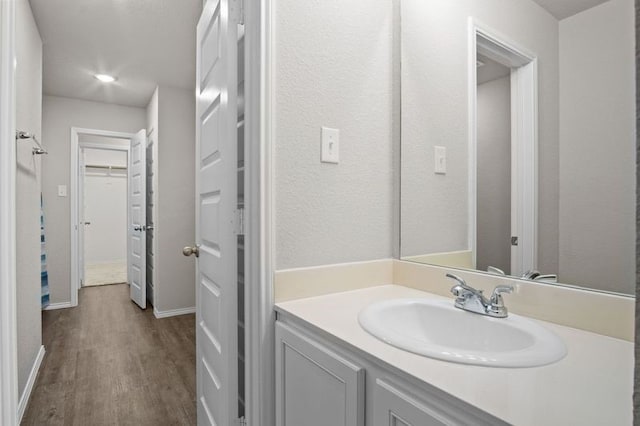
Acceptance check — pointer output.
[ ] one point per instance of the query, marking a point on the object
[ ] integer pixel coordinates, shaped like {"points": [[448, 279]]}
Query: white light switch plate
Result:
{"points": [[440, 158], [62, 190], [330, 151]]}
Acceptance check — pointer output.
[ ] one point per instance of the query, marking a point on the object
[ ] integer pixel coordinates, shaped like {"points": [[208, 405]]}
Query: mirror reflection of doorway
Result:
{"points": [[504, 196], [104, 216], [493, 214]]}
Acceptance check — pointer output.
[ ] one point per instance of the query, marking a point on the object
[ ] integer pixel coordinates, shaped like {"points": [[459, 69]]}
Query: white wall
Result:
{"points": [[435, 112], [59, 115], [494, 175], [597, 143], [105, 203], [28, 179], [175, 227], [333, 67]]}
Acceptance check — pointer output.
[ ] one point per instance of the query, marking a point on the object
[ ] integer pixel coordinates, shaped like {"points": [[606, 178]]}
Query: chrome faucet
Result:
{"points": [[531, 274], [472, 300], [537, 276]]}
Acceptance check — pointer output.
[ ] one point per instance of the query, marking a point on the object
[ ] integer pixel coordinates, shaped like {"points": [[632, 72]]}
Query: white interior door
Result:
{"points": [[216, 195], [137, 204]]}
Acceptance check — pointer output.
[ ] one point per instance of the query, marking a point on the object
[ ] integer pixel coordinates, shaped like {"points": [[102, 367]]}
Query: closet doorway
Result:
{"points": [[104, 213], [100, 196]]}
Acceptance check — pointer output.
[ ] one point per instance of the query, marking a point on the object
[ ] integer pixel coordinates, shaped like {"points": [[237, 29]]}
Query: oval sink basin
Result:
{"points": [[436, 329]]}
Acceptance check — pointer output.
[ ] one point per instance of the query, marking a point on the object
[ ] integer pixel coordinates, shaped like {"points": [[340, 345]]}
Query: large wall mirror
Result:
{"points": [[518, 138]]}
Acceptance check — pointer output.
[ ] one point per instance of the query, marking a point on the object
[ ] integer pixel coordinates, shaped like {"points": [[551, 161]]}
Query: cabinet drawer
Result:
{"points": [[314, 385]]}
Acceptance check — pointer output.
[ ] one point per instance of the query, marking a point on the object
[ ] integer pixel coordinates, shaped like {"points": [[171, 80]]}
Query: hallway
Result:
{"points": [[110, 363]]}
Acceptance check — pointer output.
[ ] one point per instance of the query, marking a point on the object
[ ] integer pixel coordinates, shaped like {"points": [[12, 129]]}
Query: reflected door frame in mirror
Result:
{"points": [[524, 142]]}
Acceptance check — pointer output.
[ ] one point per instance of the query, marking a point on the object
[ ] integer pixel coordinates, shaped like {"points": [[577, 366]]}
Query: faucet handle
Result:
{"points": [[496, 296], [461, 284], [462, 288]]}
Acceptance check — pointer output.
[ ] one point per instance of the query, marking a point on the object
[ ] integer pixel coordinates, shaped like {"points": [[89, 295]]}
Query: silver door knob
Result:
{"points": [[188, 251], [87, 223], [139, 227]]}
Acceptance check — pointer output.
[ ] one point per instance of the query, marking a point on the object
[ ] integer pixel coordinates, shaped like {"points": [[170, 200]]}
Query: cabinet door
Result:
{"points": [[395, 408], [315, 386]]}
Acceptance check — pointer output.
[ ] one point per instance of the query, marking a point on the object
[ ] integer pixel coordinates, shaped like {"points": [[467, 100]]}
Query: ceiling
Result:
{"points": [[143, 43], [490, 70], [561, 9]]}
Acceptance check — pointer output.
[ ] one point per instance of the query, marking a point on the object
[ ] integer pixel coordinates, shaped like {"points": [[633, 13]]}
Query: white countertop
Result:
{"points": [[592, 385]]}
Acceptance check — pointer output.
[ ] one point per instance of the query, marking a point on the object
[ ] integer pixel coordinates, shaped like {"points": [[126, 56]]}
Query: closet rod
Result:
{"points": [[96, 166]]}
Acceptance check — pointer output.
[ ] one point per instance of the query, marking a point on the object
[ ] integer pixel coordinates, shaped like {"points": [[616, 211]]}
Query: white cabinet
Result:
{"points": [[314, 386], [393, 407], [320, 381]]}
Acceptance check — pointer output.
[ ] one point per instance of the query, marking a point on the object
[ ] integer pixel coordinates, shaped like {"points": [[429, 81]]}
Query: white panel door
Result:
{"points": [[216, 198], [137, 204]]}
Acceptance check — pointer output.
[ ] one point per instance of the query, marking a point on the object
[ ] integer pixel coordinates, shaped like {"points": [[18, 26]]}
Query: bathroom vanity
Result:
{"points": [[330, 371]]}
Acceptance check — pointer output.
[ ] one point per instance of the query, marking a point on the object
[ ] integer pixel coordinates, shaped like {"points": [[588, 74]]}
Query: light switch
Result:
{"points": [[62, 190], [440, 158], [330, 151]]}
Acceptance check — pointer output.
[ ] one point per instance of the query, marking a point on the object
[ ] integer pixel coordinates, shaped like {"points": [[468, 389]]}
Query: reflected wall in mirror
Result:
{"points": [[518, 138]]}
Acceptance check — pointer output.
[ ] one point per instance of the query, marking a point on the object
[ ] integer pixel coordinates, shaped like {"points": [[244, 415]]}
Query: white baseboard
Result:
{"points": [[59, 305], [26, 394], [173, 312]]}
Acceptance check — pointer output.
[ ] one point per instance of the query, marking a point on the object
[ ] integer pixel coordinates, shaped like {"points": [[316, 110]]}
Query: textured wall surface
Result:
{"points": [[59, 115], [333, 64], [28, 179], [435, 112], [597, 136]]}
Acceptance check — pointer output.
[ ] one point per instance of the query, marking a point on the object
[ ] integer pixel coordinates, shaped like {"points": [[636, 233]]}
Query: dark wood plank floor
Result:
{"points": [[110, 363]]}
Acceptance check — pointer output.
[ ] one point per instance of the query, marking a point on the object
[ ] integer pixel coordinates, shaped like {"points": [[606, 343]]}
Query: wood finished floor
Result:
{"points": [[108, 362]]}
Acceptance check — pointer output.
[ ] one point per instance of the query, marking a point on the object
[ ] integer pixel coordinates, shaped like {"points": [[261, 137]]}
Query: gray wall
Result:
{"points": [[597, 133], [28, 118], [494, 175], [435, 112], [175, 285], [59, 115], [333, 68]]}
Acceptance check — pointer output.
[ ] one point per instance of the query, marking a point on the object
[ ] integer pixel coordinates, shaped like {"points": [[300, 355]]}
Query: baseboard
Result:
{"points": [[173, 312], [60, 305], [26, 394]]}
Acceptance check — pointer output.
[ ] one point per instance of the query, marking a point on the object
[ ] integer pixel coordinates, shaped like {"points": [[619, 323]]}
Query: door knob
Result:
{"points": [[139, 227], [87, 223], [188, 251]]}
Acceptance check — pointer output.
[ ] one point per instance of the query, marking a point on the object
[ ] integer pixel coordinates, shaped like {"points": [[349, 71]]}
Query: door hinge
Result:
{"points": [[240, 221], [514, 241], [241, 421]]}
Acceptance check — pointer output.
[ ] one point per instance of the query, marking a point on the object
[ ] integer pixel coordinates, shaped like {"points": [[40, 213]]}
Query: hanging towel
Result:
{"points": [[44, 276]]}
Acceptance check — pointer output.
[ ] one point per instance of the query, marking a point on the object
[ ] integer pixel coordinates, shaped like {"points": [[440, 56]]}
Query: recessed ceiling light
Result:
{"points": [[105, 78]]}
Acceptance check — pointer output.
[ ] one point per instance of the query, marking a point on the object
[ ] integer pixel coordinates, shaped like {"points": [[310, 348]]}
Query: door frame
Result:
{"points": [[74, 196], [259, 212], [524, 138], [8, 319]]}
